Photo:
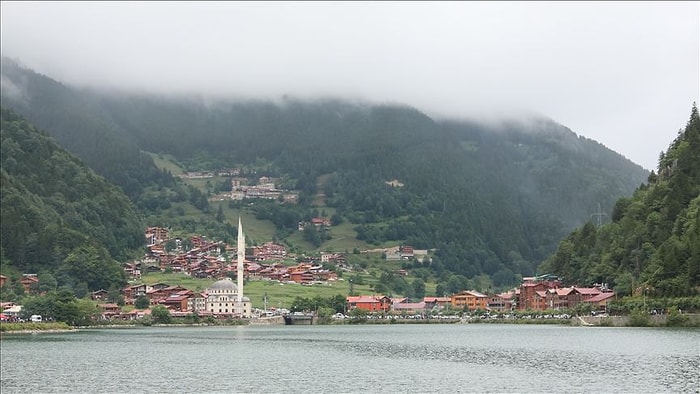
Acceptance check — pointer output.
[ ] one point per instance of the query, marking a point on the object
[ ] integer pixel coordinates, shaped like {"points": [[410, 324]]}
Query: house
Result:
{"points": [[177, 301], [369, 303], [3, 280], [99, 295], [158, 294], [156, 235], [437, 302], [539, 300], [412, 308], [110, 310], [197, 303], [406, 252], [470, 300], [502, 302], [29, 281], [133, 292], [137, 314], [133, 270], [559, 298], [600, 301], [321, 222]]}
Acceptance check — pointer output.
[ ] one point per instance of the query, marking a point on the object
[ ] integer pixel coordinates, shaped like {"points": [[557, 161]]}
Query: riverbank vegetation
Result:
{"points": [[6, 327]]}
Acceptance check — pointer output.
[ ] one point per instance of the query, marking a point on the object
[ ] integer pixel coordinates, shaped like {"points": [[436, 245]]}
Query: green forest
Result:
{"points": [[652, 245], [59, 219]]}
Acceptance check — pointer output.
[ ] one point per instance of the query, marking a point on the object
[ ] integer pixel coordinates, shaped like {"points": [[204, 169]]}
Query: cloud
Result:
{"points": [[610, 71]]}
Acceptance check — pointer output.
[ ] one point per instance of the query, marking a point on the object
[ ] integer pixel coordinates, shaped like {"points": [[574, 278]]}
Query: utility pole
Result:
{"points": [[599, 216]]}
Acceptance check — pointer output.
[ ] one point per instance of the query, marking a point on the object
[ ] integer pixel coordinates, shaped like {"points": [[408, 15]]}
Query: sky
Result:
{"points": [[622, 73]]}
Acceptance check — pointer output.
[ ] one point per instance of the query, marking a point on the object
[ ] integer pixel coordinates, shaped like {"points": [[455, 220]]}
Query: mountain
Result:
{"points": [[78, 124], [490, 198], [58, 216], [653, 242]]}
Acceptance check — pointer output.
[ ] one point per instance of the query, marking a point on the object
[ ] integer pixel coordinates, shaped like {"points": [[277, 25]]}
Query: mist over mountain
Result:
{"points": [[490, 198]]}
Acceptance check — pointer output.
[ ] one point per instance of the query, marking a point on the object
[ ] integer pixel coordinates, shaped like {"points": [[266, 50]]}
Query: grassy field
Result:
{"points": [[166, 162], [280, 295]]}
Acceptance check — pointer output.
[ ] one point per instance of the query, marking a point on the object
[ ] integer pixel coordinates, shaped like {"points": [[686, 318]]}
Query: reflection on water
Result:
{"points": [[388, 358]]}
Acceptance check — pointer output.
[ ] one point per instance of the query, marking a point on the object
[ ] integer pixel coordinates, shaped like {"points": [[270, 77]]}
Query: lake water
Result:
{"points": [[451, 358]]}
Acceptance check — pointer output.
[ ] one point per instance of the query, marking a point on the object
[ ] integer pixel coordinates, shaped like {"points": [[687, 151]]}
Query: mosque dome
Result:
{"points": [[222, 285]]}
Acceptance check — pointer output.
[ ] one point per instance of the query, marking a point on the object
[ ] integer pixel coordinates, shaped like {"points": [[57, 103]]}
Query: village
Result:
{"points": [[207, 259]]}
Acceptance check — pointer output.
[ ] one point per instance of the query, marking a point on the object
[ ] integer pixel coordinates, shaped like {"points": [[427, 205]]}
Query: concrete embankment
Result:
{"points": [[625, 321], [268, 321]]}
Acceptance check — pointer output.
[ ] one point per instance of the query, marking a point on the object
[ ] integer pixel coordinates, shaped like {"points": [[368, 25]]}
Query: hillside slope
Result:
{"points": [[653, 242], [57, 215]]}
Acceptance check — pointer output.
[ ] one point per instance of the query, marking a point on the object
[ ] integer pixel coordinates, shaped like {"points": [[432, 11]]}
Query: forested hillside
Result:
{"points": [[653, 242], [59, 218], [77, 122], [489, 198]]}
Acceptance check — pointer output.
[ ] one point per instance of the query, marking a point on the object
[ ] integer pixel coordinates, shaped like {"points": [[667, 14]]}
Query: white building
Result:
{"points": [[222, 299]]}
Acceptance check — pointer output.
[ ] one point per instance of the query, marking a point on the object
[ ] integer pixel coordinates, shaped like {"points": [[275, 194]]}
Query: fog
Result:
{"points": [[622, 73]]}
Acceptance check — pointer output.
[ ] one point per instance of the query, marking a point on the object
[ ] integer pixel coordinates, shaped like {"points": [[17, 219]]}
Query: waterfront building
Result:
{"points": [[470, 300], [222, 300]]}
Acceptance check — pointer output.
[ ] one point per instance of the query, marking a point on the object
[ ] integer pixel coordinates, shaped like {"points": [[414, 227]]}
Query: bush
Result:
{"points": [[160, 314], [676, 319], [639, 318]]}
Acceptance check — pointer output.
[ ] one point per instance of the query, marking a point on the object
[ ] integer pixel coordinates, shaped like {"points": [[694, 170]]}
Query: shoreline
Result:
{"points": [[582, 321]]}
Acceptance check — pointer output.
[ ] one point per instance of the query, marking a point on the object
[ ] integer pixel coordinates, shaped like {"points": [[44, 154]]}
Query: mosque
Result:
{"points": [[225, 297]]}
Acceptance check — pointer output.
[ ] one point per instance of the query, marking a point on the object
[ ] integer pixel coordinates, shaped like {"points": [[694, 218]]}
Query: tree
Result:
{"points": [[47, 282], [220, 214], [439, 290], [142, 302], [160, 314], [418, 286]]}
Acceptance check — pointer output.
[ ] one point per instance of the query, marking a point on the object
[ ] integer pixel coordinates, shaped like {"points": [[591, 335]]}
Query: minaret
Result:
{"points": [[241, 257]]}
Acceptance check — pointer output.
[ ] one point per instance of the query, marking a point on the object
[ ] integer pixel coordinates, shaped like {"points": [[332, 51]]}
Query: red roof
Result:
{"points": [[587, 290], [601, 297], [564, 291]]}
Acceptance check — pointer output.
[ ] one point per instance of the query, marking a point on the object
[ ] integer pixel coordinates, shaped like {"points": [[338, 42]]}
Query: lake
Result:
{"points": [[450, 358]]}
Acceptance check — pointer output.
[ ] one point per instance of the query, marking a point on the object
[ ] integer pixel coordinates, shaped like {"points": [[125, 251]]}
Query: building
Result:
{"points": [[470, 300], [503, 302], [156, 235], [369, 303], [411, 308], [29, 281], [437, 302], [529, 296], [222, 300], [600, 301]]}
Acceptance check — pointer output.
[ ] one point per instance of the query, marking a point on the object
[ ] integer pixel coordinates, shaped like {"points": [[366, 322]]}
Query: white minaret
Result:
{"points": [[241, 257]]}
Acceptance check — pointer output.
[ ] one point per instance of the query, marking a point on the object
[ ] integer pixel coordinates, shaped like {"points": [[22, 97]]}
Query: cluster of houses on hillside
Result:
{"points": [[265, 188], [208, 259]]}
